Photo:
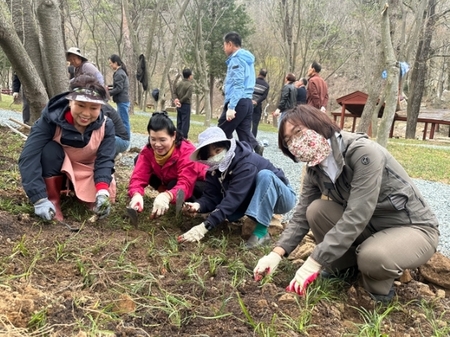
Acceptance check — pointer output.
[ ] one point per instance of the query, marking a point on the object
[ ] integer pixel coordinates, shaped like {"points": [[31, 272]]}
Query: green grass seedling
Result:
{"points": [[439, 323], [374, 321], [38, 320], [21, 248]]}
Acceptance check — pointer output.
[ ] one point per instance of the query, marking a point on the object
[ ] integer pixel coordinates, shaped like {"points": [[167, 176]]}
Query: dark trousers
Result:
{"points": [[242, 122], [25, 110], [257, 111], [184, 119], [52, 158]]}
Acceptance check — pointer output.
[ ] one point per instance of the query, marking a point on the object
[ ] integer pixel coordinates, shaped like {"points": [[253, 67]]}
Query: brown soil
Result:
{"points": [[114, 280]]}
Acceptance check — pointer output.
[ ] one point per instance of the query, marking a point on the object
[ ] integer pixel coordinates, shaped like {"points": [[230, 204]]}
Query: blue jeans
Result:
{"points": [[271, 197], [121, 145], [122, 109]]}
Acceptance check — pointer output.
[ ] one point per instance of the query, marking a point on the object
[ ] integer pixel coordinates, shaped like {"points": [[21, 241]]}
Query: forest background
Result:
{"points": [[353, 40]]}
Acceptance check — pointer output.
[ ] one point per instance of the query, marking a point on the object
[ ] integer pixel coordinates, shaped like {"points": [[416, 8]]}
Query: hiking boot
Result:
{"points": [[254, 241], [259, 149]]}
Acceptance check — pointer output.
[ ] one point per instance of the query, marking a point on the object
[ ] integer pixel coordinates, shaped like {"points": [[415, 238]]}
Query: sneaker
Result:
{"points": [[384, 299], [254, 241], [259, 149]]}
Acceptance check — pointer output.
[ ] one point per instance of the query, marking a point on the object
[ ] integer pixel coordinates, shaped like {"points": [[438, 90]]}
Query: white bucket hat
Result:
{"points": [[209, 136], [75, 51]]}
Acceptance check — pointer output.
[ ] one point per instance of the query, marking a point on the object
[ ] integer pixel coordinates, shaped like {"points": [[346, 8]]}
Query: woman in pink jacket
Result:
{"points": [[164, 164]]}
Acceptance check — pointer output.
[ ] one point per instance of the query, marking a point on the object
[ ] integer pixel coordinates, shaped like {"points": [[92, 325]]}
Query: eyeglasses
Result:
{"points": [[296, 132], [164, 113]]}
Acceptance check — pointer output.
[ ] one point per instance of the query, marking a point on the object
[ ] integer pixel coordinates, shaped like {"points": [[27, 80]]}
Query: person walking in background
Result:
{"points": [[237, 114], [300, 85], [16, 85], [288, 98], [82, 66], [119, 91], [71, 146], [260, 93], [182, 100], [317, 91], [372, 219]]}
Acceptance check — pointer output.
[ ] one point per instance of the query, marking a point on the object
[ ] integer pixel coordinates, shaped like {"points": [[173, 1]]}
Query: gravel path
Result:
{"points": [[436, 194]]}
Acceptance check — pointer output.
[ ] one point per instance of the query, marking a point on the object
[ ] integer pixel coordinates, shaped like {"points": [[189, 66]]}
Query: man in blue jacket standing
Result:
{"points": [[239, 84]]}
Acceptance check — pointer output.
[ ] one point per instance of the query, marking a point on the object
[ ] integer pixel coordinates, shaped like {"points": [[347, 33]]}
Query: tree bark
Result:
{"points": [[49, 18], [393, 72], [129, 53], [33, 87], [419, 71], [169, 58]]}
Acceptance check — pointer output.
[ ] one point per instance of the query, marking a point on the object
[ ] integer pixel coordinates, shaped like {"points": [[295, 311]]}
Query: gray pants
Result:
{"points": [[381, 256]]}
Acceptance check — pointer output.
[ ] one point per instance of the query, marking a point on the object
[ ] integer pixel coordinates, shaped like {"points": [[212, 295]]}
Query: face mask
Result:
{"points": [[215, 160], [309, 147]]}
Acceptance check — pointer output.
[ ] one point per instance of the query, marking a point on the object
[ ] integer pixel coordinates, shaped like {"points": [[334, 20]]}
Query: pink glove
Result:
{"points": [[304, 276]]}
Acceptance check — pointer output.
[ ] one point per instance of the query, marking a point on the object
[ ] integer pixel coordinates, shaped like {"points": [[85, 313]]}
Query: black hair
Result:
{"points": [[186, 73], [161, 121], [234, 38], [203, 153], [263, 72], [88, 81], [290, 77], [316, 66], [116, 59], [304, 81]]}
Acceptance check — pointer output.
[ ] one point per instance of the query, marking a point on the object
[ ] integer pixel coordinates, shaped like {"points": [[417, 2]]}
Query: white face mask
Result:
{"points": [[215, 160]]}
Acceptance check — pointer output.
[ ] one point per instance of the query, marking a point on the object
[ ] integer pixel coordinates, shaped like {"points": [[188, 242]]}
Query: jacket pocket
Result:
{"points": [[398, 201]]}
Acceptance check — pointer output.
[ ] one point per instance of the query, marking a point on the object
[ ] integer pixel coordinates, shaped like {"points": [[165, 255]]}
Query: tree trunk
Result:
{"points": [[129, 53], [49, 17], [419, 71], [33, 87], [201, 63], [393, 72], [169, 58]]}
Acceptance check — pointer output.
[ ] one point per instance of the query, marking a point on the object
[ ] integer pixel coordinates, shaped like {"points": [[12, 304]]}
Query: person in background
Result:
{"points": [[300, 85], [239, 182], [164, 164], [183, 96], [119, 91], [317, 91], [372, 218], [288, 98], [16, 85], [260, 93], [82, 65], [72, 145], [122, 135], [237, 114]]}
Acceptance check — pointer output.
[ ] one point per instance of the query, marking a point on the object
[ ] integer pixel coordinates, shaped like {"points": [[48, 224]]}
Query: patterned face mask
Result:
{"points": [[309, 147]]}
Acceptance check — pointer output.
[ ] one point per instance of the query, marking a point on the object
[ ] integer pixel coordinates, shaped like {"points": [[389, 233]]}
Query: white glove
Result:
{"points": [[276, 112], [304, 276], [15, 95], [45, 209], [137, 202], [196, 233], [102, 204], [323, 109], [231, 113], [161, 204], [191, 207], [266, 265]]}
